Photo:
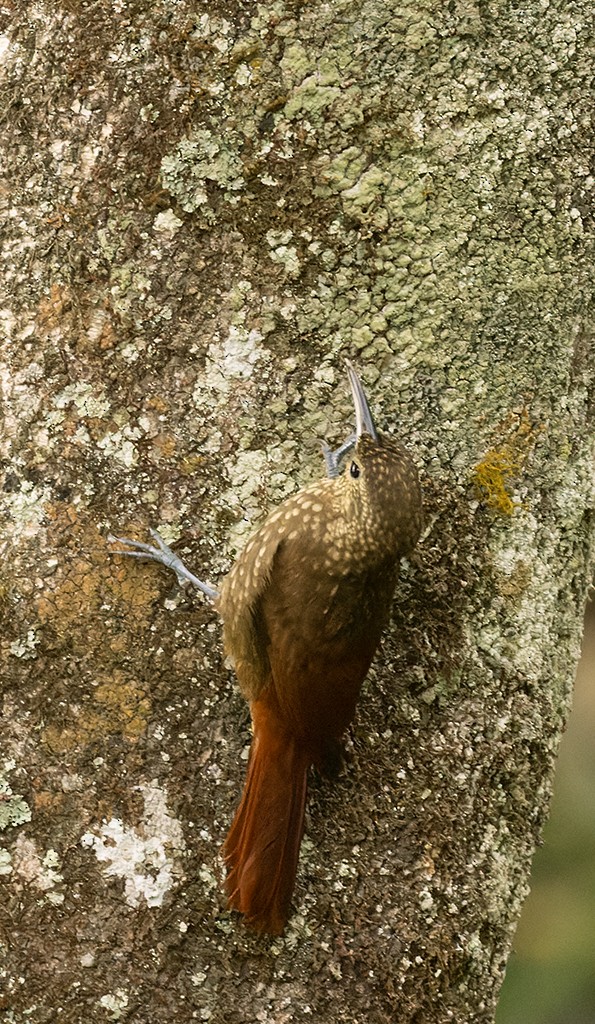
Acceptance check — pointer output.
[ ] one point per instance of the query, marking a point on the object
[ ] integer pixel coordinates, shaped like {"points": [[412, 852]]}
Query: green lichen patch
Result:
{"points": [[14, 809], [198, 161]]}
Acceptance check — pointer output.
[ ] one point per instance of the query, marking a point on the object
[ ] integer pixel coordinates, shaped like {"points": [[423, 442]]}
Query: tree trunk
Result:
{"points": [[204, 214]]}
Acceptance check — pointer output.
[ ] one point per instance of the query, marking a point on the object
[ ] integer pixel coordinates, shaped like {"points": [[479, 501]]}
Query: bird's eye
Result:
{"points": [[354, 470]]}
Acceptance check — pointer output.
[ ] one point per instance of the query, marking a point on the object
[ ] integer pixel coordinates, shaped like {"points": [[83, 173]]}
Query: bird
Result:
{"points": [[303, 609]]}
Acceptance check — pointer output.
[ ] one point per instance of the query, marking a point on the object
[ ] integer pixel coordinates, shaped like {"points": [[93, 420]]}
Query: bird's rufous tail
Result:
{"points": [[262, 847]]}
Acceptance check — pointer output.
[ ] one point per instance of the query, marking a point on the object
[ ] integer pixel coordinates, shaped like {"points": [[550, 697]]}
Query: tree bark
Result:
{"points": [[203, 215]]}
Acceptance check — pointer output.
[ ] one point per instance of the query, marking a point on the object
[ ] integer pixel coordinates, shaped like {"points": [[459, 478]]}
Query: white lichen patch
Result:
{"points": [[245, 474], [523, 554], [115, 1003], [426, 900], [228, 377], [235, 358], [5, 44], [197, 160], [87, 400], [276, 238], [498, 852], [287, 257], [26, 510], [25, 648], [578, 486], [243, 75], [39, 872], [167, 223], [217, 30], [143, 856], [120, 445]]}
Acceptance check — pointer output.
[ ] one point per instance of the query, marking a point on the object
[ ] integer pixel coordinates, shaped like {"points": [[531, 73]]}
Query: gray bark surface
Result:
{"points": [[204, 211]]}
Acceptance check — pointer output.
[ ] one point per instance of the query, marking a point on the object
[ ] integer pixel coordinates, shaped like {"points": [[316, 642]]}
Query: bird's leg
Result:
{"points": [[333, 458], [163, 554]]}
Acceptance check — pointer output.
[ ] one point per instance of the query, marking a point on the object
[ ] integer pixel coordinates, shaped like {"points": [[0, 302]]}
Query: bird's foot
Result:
{"points": [[333, 459], [163, 554]]}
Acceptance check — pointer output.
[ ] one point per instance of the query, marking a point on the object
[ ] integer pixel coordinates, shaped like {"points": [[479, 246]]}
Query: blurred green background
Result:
{"points": [[551, 974]]}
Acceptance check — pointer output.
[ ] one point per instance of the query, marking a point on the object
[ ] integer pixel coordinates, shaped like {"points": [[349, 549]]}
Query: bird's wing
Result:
{"points": [[245, 634]]}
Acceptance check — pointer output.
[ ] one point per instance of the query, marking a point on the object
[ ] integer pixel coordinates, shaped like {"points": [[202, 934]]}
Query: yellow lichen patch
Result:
{"points": [[52, 307], [125, 705], [157, 403], [493, 478], [495, 474], [118, 706], [4, 595], [86, 578], [60, 741], [164, 445], [190, 463], [96, 605], [119, 644], [134, 588], [46, 800]]}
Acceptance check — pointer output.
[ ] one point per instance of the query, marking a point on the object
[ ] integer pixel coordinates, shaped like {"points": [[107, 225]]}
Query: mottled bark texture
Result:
{"points": [[205, 209]]}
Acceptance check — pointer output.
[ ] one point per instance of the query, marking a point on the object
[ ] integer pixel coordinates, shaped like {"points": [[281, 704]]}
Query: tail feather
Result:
{"points": [[262, 847]]}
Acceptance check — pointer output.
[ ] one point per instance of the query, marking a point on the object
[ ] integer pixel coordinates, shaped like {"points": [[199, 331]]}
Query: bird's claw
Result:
{"points": [[165, 556], [332, 458]]}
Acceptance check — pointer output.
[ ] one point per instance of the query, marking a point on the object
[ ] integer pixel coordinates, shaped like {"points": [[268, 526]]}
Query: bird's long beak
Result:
{"points": [[364, 424]]}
